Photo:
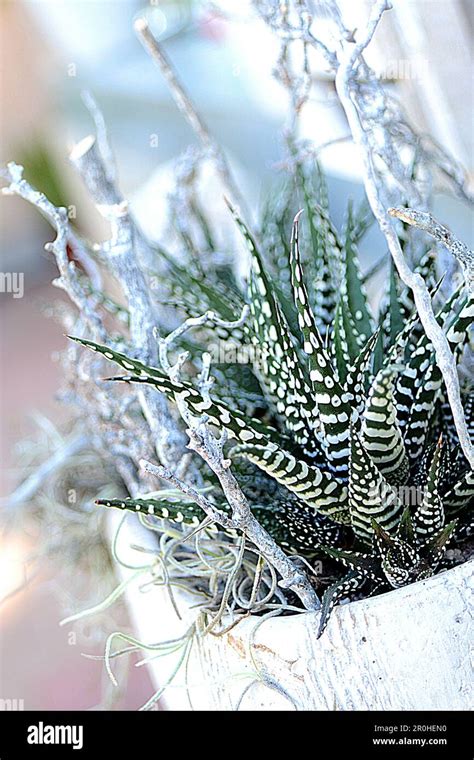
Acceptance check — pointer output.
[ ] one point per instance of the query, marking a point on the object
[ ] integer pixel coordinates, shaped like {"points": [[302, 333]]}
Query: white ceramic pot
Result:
{"points": [[404, 650]]}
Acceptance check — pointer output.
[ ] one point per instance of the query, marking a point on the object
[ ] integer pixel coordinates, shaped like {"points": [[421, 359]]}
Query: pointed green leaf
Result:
{"points": [[460, 497], [436, 546], [429, 516], [405, 530], [370, 495], [359, 561], [353, 290], [333, 409], [400, 560], [277, 367], [318, 489], [381, 435], [411, 378], [356, 375], [260, 443], [347, 585], [235, 422], [430, 380], [185, 512]]}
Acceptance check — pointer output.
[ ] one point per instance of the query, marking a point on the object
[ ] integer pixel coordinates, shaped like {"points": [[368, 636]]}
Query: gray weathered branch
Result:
{"points": [[122, 259], [426, 222], [189, 110], [57, 217], [211, 450]]}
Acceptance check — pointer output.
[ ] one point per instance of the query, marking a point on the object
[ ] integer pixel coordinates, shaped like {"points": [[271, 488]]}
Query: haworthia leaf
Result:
{"points": [[400, 560], [181, 512], [370, 495], [332, 405], [259, 442], [359, 561], [297, 527], [405, 530], [353, 291], [316, 488], [436, 546], [461, 496], [428, 392], [411, 378], [326, 259], [429, 516], [346, 344], [381, 435], [238, 425], [355, 380], [350, 583], [362, 221], [277, 364]]}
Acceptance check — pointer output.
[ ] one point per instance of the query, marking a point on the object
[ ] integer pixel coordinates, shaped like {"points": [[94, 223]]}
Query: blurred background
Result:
{"points": [[53, 50]]}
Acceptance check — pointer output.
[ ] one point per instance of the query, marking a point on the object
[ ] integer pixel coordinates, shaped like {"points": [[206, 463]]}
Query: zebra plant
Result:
{"points": [[338, 429]]}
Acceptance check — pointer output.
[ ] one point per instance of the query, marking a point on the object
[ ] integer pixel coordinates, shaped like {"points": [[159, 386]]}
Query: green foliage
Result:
{"points": [[349, 451]]}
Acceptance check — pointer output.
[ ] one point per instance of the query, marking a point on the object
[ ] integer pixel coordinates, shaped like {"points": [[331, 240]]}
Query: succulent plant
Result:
{"points": [[338, 428]]}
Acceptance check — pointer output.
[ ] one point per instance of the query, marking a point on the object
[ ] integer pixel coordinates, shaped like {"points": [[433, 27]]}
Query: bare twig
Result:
{"points": [[188, 109], [208, 317], [58, 219], [123, 262], [33, 483], [425, 221], [216, 514], [102, 135], [211, 450], [203, 443]]}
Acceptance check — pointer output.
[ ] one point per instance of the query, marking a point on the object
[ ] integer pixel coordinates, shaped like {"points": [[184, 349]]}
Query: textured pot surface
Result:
{"points": [[405, 650]]}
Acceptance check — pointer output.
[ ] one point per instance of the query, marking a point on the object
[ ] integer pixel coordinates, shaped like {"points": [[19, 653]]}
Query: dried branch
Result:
{"points": [[203, 442], [426, 222], [58, 219], [122, 259], [188, 109], [211, 450], [208, 317], [103, 142], [30, 486]]}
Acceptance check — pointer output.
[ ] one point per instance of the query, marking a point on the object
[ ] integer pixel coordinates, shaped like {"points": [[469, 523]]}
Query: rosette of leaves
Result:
{"points": [[338, 425]]}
